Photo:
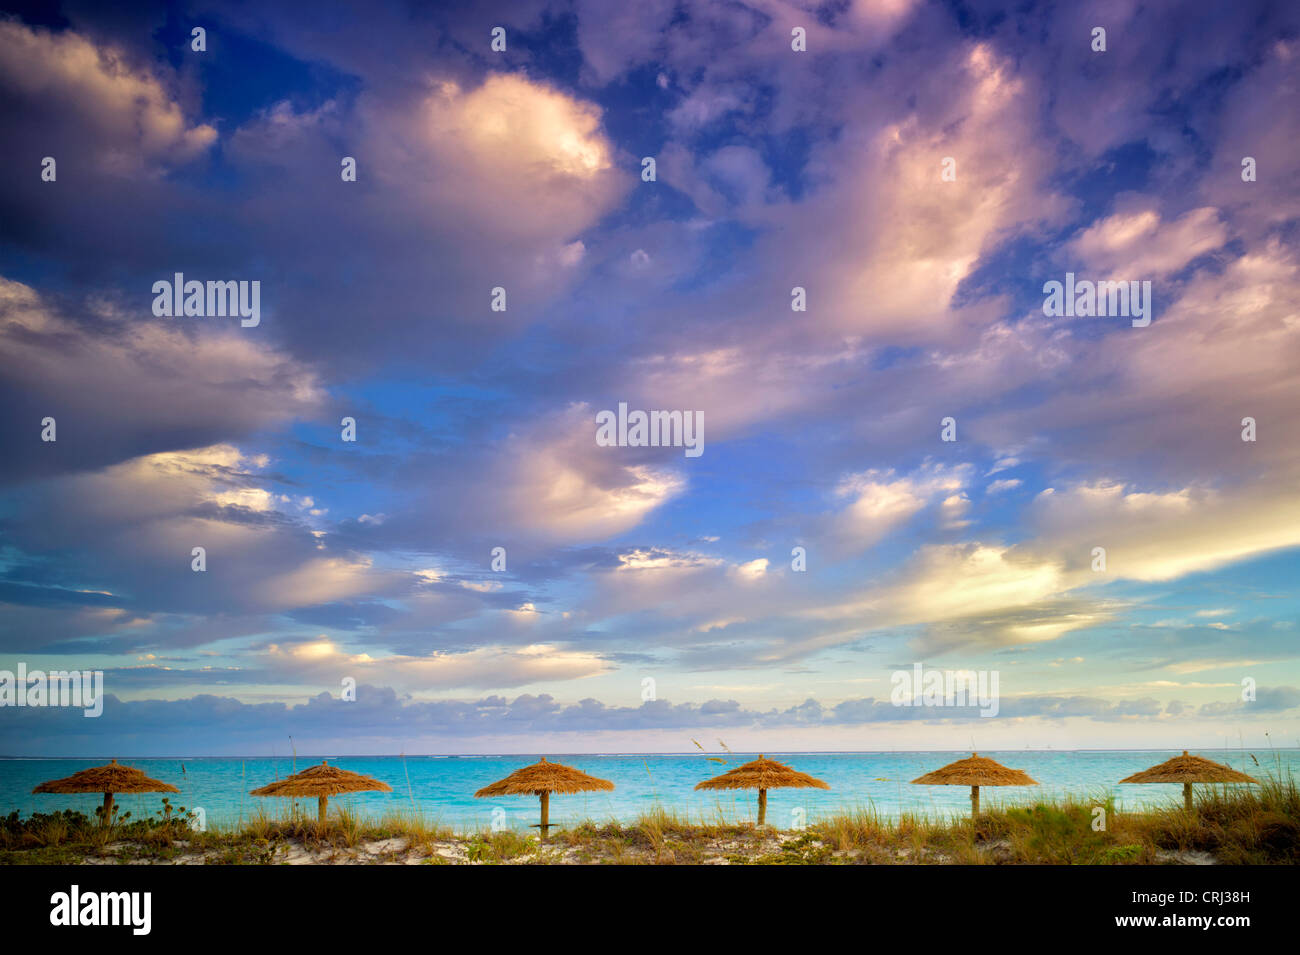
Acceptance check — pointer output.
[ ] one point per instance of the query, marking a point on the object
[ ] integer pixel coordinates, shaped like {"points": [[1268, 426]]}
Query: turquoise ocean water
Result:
{"points": [[441, 788]]}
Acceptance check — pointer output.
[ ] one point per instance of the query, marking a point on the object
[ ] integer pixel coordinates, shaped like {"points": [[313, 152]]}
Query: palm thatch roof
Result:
{"points": [[543, 777], [762, 773], [975, 770], [1189, 769], [322, 780], [113, 778]]}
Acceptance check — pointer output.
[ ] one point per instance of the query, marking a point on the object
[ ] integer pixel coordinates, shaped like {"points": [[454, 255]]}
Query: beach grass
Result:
{"points": [[1230, 825]]}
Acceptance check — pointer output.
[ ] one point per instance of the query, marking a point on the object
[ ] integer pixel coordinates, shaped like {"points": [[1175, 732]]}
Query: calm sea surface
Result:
{"points": [[441, 788]]}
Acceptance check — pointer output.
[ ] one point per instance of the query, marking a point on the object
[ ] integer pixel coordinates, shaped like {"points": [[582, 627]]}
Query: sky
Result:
{"points": [[917, 467]]}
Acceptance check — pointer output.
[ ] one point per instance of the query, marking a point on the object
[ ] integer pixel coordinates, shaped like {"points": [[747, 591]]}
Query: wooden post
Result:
{"points": [[974, 801], [762, 806], [108, 809], [546, 813], [1187, 795], [320, 805]]}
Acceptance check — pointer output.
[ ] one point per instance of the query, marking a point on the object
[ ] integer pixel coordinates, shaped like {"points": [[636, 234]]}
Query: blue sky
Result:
{"points": [[821, 169]]}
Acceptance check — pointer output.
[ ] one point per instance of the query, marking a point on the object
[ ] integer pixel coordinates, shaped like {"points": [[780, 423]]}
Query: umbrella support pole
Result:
{"points": [[108, 810], [1187, 796], [546, 814], [762, 807], [974, 801], [321, 812]]}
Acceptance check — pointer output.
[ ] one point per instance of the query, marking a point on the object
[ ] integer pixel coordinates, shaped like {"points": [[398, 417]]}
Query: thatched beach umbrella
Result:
{"points": [[762, 774], [976, 771], [1187, 770], [108, 780], [322, 782], [541, 779]]}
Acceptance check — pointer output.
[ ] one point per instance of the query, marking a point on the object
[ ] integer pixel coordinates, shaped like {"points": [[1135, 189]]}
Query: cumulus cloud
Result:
{"points": [[518, 156], [917, 237], [146, 516], [379, 714], [881, 502], [1138, 244], [466, 185], [978, 593], [1161, 536], [484, 667], [126, 116], [550, 481], [118, 384]]}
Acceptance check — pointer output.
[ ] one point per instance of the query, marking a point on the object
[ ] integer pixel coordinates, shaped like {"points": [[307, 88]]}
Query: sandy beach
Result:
{"points": [[740, 848], [1227, 827]]}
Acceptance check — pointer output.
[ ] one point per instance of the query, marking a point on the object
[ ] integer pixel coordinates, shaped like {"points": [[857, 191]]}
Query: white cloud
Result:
{"points": [[125, 115], [488, 667], [1141, 246]]}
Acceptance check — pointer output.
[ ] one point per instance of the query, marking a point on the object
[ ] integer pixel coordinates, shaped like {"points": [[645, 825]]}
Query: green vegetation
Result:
{"points": [[1230, 825], [70, 837]]}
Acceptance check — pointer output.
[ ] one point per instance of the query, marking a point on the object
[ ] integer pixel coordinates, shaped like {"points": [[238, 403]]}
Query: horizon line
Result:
{"points": [[776, 752]]}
